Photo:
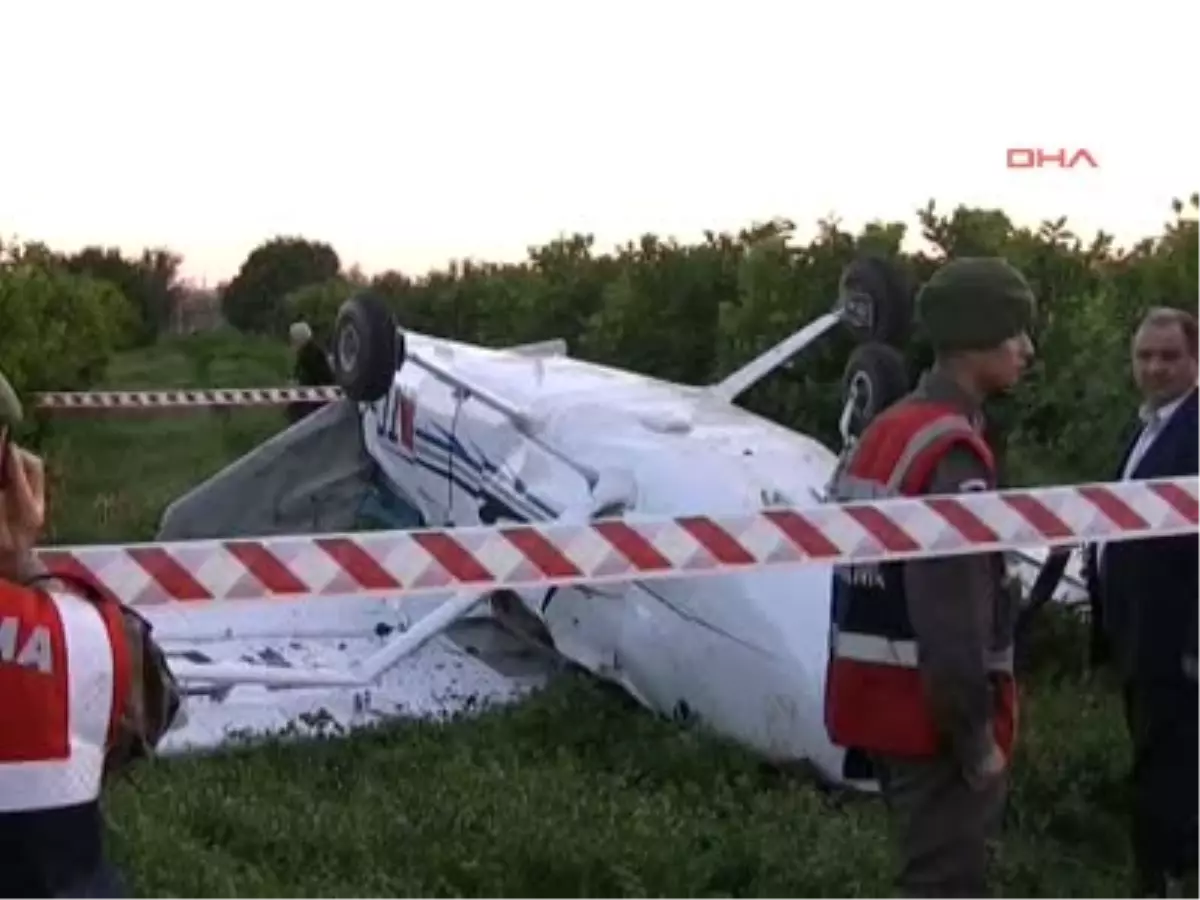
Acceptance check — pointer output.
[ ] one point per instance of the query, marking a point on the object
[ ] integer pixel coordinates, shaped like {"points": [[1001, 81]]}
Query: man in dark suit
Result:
{"points": [[1144, 597]]}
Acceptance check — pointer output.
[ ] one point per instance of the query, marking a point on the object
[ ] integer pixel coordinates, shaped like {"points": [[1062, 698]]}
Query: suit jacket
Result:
{"points": [[1145, 593]]}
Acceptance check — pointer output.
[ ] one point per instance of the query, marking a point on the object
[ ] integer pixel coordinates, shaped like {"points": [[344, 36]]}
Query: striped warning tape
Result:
{"points": [[87, 401], [412, 562]]}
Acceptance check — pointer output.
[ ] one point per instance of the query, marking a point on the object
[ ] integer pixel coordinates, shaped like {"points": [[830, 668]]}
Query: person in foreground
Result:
{"points": [[1144, 596], [921, 665], [84, 691]]}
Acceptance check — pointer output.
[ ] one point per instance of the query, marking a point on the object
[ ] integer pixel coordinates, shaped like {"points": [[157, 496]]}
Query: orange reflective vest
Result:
{"points": [[64, 676], [874, 697]]}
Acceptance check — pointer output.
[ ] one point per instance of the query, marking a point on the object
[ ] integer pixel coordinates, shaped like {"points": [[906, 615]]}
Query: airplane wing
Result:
{"points": [[737, 383]]}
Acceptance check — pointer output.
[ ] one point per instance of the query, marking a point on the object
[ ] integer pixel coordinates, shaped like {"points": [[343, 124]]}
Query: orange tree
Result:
{"points": [[59, 328]]}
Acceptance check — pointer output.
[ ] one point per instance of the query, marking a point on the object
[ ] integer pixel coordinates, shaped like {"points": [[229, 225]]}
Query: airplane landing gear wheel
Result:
{"points": [[367, 349], [876, 300], [875, 377]]}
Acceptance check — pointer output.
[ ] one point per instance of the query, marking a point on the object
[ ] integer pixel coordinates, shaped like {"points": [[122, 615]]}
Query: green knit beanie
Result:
{"points": [[975, 303]]}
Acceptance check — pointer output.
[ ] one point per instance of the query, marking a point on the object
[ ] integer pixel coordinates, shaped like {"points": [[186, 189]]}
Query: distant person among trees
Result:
{"points": [[311, 368]]}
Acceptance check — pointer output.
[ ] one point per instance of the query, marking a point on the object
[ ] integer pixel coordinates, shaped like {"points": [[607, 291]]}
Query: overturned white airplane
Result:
{"points": [[440, 433]]}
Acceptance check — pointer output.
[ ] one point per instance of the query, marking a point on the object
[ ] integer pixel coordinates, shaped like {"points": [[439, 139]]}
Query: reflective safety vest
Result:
{"points": [[64, 678], [874, 697]]}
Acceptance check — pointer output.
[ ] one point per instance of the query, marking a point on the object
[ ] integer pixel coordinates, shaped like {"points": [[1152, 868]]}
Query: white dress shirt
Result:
{"points": [[1153, 423]]}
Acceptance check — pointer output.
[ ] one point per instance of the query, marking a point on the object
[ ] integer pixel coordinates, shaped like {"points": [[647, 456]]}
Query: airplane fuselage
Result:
{"points": [[744, 653]]}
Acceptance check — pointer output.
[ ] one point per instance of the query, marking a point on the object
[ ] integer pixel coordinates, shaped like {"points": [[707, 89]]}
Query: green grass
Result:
{"points": [[101, 491], [575, 793]]}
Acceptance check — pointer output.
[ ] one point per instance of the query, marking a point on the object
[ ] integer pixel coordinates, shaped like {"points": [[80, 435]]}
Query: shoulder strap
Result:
{"points": [[148, 697], [927, 446], [86, 587], [122, 625]]}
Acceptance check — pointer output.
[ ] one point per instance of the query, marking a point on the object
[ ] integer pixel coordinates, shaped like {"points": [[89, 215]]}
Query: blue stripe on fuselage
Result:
{"points": [[435, 450], [452, 447]]}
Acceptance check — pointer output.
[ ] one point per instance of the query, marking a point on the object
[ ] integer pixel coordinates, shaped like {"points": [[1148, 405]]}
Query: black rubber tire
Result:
{"points": [[882, 372], [891, 299], [367, 348]]}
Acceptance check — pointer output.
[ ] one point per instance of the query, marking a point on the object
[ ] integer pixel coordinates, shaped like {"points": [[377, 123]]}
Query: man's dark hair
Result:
{"points": [[1166, 316]]}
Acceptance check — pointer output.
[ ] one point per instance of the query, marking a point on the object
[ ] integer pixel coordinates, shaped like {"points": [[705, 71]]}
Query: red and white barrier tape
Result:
{"points": [[80, 401], [412, 562]]}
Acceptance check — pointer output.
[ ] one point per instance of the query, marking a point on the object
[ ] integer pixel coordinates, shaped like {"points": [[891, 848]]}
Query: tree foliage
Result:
{"points": [[690, 313], [255, 300], [318, 303], [150, 283], [59, 328]]}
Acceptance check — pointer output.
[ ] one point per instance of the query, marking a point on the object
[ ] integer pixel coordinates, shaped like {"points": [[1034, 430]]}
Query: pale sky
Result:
{"points": [[406, 133]]}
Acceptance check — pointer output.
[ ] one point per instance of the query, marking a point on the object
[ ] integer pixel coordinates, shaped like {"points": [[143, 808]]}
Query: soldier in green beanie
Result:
{"points": [[920, 674], [979, 307]]}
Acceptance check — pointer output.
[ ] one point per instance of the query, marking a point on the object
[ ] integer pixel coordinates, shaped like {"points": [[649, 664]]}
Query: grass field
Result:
{"points": [[576, 793]]}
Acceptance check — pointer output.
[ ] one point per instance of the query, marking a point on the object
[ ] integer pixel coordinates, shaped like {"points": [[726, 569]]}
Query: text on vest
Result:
{"points": [[31, 650]]}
